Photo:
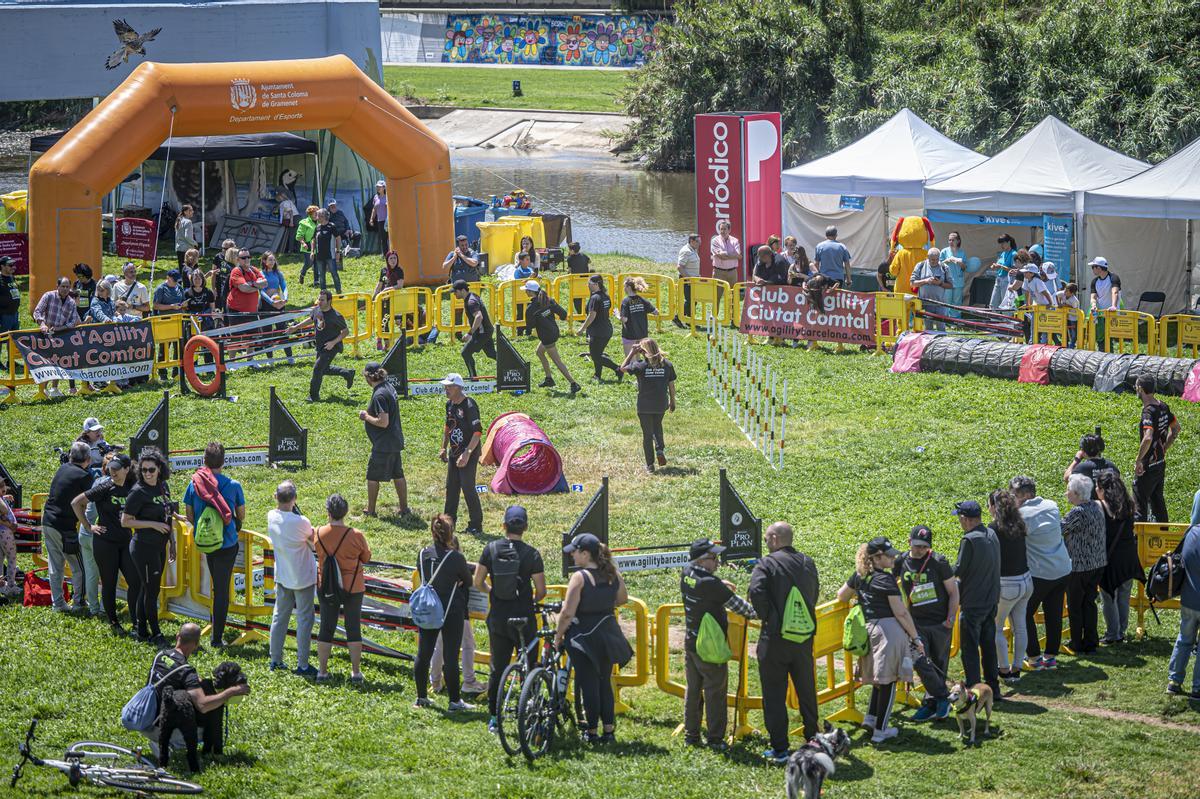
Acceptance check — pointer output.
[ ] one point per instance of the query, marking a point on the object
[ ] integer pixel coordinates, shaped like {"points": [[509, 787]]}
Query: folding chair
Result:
{"points": [[1158, 298]]}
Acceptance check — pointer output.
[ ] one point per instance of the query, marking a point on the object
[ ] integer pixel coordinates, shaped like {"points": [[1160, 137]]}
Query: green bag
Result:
{"points": [[711, 644], [855, 638], [797, 625], [209, 533]]}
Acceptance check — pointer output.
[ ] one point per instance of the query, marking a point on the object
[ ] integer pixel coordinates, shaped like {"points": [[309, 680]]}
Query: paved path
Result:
{"points": [[527, 130]]}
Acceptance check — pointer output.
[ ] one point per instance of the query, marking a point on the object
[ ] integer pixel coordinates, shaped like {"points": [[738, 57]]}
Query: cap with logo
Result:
{"points": [[969, 508], [881, 545], [703, 546], [6, 261], [92, 424], [921, 535], [453, 379], [584, 542]]}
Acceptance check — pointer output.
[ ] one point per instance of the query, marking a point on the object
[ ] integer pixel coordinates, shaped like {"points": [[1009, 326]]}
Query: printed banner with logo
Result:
{"points": [[16, 246], [95, 353], [846, 317], [136, 238]]}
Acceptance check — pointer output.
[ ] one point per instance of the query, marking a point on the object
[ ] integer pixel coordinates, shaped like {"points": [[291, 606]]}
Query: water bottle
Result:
{"points": [[906, 664], [561, 680]]}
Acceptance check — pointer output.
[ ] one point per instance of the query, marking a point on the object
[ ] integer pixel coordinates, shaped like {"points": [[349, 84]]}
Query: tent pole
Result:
{"points": [[317, 165], [1187, 266], [887, 232], [203, 236]]}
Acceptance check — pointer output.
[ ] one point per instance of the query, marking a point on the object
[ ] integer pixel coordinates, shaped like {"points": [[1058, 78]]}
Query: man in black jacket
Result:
{"points": [[60, 531], [785, 643], [978, 573]]}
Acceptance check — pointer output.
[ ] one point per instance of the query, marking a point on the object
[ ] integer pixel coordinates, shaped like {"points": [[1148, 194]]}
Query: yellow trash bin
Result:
{"points": [[530, 226], [12, 218], [499, 240]]}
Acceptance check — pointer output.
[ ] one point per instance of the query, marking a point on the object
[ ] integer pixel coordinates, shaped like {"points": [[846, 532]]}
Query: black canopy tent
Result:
{"points": [[213, 148]]}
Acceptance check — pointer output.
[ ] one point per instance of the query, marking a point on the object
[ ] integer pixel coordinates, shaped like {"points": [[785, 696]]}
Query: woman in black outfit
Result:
{"points": [[1123, 565], [540, 316], [656, 396], [594, 641], [636, 311], [598, 327], [199, 300], [445, 568], [148, 513], [110, 541]]}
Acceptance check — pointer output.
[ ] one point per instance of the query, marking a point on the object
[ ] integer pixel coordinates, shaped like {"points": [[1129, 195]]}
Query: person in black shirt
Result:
{"points": [[461, 263], [704, 594], [978, 573], [382, 422], [656, 396], [598, 327], [60, 531], [511, 596], [199, 301], [479, 337], [148, 513], [222, 268], [10, 296], [85, 289], [327, 251], [110, 541], [770, 268], [927, 581], [1157, 431], [635, 310], [460, 452], [893, 635], [1090, 458], [577, 262], [330, 330], [540, 315], [445, 568]]}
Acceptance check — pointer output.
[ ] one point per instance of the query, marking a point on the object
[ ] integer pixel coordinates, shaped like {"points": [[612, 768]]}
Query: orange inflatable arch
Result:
{"points": [[68, 183]]}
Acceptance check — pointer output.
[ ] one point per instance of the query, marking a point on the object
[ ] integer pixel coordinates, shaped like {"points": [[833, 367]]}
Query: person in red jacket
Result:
{"points": [[245, 282]]}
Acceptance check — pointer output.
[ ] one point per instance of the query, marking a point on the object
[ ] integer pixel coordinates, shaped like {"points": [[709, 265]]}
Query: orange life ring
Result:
{"points": [[213, 387]]}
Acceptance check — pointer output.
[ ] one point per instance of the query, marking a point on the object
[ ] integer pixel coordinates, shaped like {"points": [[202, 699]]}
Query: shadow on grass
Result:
{"points": [[1058, 682], [678, 471], [1020, 708]]}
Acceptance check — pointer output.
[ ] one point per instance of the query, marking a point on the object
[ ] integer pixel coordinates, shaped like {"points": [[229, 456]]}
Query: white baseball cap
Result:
{"points": [[1049, 269], [453, 379], [1099, 261], [532, 285], [379, 184], [92, 424]]}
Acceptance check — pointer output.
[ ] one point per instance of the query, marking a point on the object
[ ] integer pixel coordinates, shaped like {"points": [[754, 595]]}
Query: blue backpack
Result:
{"points": [[141, 711], [427, 610]]}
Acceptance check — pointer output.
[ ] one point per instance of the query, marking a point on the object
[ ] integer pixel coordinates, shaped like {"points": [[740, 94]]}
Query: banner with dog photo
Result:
{"points": [[93, 353], [795, 312]]}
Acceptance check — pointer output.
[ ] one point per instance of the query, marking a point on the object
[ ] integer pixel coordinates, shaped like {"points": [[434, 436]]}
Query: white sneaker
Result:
{"points": [[884, 735], [868, 722], [460, 705]]}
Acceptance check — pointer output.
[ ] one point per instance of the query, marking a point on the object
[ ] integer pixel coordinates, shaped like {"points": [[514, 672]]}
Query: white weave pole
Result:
{"points": [[746, 387]]}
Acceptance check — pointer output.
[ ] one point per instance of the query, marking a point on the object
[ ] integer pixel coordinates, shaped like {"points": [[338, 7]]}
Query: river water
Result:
{"points": [[613, 207]]}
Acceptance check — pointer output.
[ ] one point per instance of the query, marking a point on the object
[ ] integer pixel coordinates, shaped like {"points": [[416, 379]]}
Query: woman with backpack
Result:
{"points": [[594, 641], [893, 636], [444, 570], [1123, 565], [341, 553]]}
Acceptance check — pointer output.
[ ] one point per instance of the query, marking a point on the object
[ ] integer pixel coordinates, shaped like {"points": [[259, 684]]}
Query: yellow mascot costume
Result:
{"points": [[911, 237]]}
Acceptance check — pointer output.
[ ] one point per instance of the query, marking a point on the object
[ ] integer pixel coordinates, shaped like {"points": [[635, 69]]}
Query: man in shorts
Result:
{"points": [[382, 422]]}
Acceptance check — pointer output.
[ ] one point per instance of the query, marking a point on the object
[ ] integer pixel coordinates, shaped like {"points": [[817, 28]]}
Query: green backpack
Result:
{"points": [[797, 624], [855, 638], [711, 644], [209, 533]]}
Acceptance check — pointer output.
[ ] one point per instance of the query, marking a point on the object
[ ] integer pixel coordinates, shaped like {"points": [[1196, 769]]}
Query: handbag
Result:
{"points": [[141, 711]]}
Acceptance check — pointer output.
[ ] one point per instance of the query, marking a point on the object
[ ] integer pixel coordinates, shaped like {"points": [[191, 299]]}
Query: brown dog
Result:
{"points": [[967, 703]]}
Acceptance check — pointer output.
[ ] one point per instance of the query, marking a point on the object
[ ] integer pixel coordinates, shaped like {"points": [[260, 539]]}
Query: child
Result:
{"points": [[123, 314], [8, 546], [1068, 298]]}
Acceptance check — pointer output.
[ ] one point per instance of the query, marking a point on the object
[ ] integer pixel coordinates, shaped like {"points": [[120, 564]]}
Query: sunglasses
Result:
{"points": [[149, 470], [243, 257]]}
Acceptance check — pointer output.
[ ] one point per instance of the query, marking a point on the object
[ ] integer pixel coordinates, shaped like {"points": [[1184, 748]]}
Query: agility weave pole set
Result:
{"points": [[748, 389]]}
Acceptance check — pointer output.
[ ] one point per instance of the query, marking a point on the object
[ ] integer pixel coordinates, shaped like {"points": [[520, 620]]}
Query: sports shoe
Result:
{"points": [[868, 722], [1037, 664], [662, 458], [473, 531], [884, 735], [547, 383], [118, 630], [423, 701], [575, 389], [324, 677], [1049, 664], [350, 379], [159, 641], [275, 665], [1011, 677], [306, 671], [692, 742], [607, 738], [776, 757], [718, 746], [493, 727], [474, 687], [943, 710], [589, 737], [1174, 689], [460, 706], [1194, 695], [925, 712]]}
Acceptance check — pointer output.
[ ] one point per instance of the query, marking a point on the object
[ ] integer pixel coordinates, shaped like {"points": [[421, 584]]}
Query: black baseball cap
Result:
{"points": [[921, 535], [969, 508], [460, 285], [515, 518], [5, 260], [703, 546], [584, 542], [881, 545], [373, 366]]}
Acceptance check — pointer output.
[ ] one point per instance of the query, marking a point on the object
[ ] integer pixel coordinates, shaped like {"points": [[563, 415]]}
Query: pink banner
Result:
{"points": [[136, 238], [16, 246], [718, 180], [845, 317], [762, 160]]}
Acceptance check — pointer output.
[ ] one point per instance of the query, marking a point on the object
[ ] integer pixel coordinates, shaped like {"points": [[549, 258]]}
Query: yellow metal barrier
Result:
{"points": [[1154, 541], [660, 290], [827, 647], [512, 302], [396, 311], [358, 309], [169, 332], [641, 653], [572, 293], [1123, 328], [1187, 335], [447, 312], [893, 317], [198, 585], [1053, 323], [709, 296]]}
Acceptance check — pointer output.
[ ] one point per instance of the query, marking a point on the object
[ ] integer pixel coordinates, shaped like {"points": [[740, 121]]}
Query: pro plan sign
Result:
{"points": [[845, 317], [738, 166], [262, 102]]}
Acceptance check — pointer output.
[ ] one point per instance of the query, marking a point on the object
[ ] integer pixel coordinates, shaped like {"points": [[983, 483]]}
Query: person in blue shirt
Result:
{"points": [[832, 257], [1004, 262], [220, 562], [273, 298], [1189, 619], [954, 259], [102, 308], [524, 267]]}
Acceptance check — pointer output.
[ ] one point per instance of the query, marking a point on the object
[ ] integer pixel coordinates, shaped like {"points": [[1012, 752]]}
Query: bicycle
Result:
{"points": [[544, 710], [118, 767]]}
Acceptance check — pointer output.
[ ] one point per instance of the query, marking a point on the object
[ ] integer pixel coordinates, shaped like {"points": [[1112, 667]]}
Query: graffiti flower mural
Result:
{"points": [[486, 33], [602, 44], [459, 39], [592, 39], [570, 44], [533, 39], [629, 40], [506, 50]]}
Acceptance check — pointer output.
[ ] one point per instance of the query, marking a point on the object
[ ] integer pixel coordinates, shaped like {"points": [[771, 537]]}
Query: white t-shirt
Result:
{"points": [[688, 261], [1036, 292], [287, 210], [135, 296], [295, 563]]}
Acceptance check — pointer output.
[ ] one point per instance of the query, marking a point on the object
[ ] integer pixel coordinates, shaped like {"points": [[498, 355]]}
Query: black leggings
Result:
{"points": [[596, 345], [220, 571], [452, 635], [595, 689], [148, 552], [331, 607], [111, 558], [460, 480], [652, 435]]}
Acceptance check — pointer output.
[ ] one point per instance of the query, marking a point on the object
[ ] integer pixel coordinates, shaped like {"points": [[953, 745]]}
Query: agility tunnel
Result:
{"points": [[1045, 364], [526, 461]]}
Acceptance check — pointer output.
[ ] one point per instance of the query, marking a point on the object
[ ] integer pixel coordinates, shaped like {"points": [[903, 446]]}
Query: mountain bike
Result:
{"points": [[545, 710], [516, 674], [105, 764]]}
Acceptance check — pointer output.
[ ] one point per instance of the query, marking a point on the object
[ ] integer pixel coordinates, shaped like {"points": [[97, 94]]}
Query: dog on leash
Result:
{"points": [[967, 703], [809, 765]]}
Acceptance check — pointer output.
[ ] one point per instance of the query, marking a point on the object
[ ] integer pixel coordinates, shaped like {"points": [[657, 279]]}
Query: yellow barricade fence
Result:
{"points": [[1153, 541], [708, 296], [893, 317], [660, 290], [1122, 329], [641, 652], [169, 332], [406, 310], [512, 302], [199, 582], [839, 679], [572, 293], [358, 309], [735, 312], [447, 312], [1186, 328], [1053, 323]]}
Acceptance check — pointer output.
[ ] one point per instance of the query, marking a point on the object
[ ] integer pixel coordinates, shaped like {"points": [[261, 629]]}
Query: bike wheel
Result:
{"points": [[148, 782], [539, 714], [93, 752], [508, 700]]}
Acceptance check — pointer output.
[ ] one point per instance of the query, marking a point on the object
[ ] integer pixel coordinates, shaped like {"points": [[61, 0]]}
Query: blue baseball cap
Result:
{"points": [[969, 508], [515, 518]]}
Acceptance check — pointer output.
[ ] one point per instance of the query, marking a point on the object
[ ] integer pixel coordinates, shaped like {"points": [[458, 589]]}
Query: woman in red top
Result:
{"points": [[351, 550]]}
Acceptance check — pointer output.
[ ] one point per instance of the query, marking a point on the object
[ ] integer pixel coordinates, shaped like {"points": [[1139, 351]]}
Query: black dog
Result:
{"points": [[178, 712]]}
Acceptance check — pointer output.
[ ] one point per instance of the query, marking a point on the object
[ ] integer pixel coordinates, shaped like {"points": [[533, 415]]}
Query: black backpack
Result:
{"points": [[1165, 580], [331, 572], [505, 570]]}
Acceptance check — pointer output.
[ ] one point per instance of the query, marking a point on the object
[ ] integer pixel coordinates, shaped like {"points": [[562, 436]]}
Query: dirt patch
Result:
{"points": [[1119, 715]]}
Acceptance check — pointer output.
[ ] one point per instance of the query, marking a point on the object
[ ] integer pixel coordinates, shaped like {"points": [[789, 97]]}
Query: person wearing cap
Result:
{"points": [[304, 236], [978, 573], [927, 581], [540, 316], [133, 292], [479, 337], [704, 594], [1037, 292], [893, 636], [377, 214], [84, 288], [592, 637], [931, 280], [510, 596], [168, 297], [330, 329], [93, 436], [1106, 286], [1053, 282], [785, 654], [10, 296], [461, 441], [109, 538], [338, 219], [1002, 265], [382, 422], [461, 263]]}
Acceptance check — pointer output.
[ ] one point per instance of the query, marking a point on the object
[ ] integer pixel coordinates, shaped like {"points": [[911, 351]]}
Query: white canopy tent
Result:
{"points": [[889, 167]]}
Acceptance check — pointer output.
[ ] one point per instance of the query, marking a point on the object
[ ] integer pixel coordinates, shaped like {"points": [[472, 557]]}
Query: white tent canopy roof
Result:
{"points": [[1169, 190], [894, 160], [1045, 171]]}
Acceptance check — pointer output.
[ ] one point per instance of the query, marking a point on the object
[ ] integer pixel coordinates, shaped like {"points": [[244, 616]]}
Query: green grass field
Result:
{"points": [[487, 87], [868, 452]]}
